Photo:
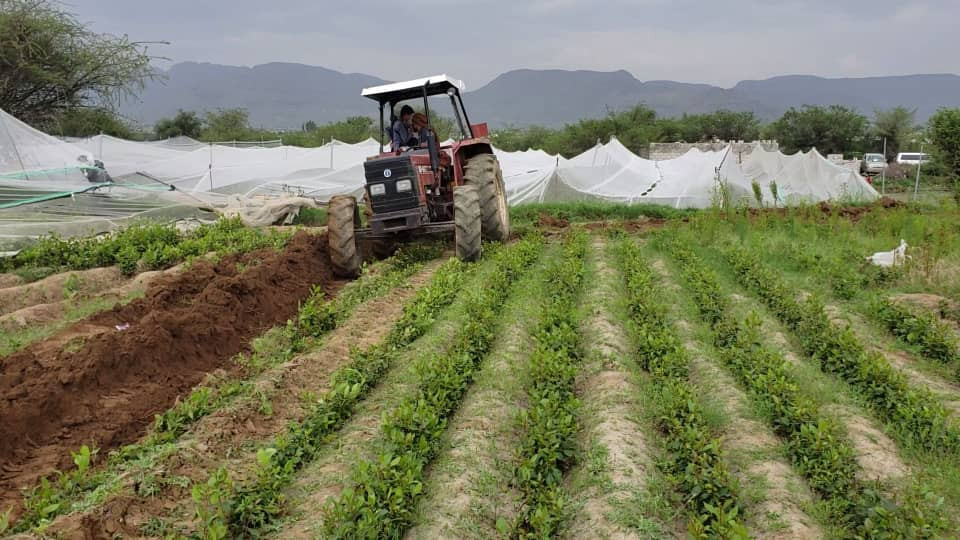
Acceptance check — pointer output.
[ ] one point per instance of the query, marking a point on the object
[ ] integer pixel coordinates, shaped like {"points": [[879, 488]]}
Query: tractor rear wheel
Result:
{"points": [[342, 244], [383, 247], [466, 218], [483, 171]]}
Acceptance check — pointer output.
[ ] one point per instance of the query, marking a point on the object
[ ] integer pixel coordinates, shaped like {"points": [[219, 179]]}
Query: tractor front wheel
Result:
{"points": [[483, 171], [466, 217], [342, 218]]}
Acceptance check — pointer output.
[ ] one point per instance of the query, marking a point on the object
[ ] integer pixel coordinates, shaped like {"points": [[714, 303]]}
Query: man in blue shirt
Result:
{"points": [[400, 136]]}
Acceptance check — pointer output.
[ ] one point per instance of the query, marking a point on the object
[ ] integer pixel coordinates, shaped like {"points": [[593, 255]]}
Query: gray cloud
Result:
{"points": [[686, 40]]}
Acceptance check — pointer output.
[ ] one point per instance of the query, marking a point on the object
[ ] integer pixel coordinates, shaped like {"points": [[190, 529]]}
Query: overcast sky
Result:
{"points": [[716, 42]]}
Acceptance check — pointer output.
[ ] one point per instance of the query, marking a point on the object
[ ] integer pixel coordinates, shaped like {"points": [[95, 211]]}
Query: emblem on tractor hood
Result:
{"points": [[387, 173]]}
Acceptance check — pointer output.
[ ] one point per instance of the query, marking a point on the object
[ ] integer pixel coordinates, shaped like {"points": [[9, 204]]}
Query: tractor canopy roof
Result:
{"points": [[401, 91]]}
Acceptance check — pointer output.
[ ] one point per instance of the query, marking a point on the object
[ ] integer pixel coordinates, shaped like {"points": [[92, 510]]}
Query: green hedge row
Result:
{"points": [[153, 246], [548, 427], [383, 492], [695, 462], [912, 413], [815, 444], [936, 340]]}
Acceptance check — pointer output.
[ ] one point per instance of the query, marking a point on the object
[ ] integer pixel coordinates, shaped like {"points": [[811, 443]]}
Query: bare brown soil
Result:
{"points": [[39, 314], [10, 280], [610, 405], [876, 452], [104, 389], [638, 225], [54, 288], [943, 307], [224, 437]]}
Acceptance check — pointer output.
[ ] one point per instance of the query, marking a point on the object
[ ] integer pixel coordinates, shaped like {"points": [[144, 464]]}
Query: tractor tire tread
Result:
{"points": [[341, 239], [467, 221], [483, 171]]}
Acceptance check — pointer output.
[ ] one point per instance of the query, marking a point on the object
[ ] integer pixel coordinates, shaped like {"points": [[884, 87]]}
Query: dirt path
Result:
{"points": [[105, 387], [58, 287], [468, 485], [229, 437], [610, 406]]}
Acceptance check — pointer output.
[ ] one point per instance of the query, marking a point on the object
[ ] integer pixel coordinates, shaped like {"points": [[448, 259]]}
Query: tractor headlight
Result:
{"points": [[377, 189], [404, 185]]}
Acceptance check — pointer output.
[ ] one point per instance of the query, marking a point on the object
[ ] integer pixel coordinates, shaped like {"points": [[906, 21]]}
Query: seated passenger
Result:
{"points": [[422, 129], [400, 137]]}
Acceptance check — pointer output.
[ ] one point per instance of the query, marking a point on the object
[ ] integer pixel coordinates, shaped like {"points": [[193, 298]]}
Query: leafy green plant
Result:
{"points": [[936, 340], [49, 499], [71, 287], [549, 426], [775, 192], [212, 503]]}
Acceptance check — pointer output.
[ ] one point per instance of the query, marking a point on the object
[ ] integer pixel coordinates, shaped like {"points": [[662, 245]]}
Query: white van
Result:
{"points": [[912, 158]]}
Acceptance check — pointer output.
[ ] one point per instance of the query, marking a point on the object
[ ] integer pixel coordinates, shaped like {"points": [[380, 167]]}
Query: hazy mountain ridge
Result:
{"points": [[285, 95]]}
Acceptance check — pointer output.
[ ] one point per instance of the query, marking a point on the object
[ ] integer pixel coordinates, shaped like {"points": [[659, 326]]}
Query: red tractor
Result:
{"points": [[428, 188]]}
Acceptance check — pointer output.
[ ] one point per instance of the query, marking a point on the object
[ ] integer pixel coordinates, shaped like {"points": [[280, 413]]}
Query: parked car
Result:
{"points": [[912, 158], [873, 164]]}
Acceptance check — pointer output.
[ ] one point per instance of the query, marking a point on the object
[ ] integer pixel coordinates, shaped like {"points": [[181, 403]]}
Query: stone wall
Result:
{"points": [[740, 149]]}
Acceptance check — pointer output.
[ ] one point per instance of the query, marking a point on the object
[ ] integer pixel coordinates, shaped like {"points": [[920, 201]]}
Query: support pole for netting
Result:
{"points": [[210, 167], [883, 171], [916, 185], [331, 152], [100, 157]]}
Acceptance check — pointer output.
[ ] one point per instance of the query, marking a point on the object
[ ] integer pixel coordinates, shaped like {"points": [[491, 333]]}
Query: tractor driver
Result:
{"points": [[400, 136]]}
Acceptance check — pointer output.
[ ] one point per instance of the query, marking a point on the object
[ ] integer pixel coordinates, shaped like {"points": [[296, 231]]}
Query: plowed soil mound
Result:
{"points": [[105, 387], [53, 288]]}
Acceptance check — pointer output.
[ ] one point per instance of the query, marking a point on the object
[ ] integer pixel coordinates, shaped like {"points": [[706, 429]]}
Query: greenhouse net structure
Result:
{"points": [[53, 185]]}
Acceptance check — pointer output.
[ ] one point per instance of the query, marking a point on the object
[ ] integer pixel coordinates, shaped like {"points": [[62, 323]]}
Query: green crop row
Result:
{"points": [[695, 462], [50, 499], [912, 413], [382, 493], [936, 340], [151, 245], [815, 444], [255, 505], [547, 446]]}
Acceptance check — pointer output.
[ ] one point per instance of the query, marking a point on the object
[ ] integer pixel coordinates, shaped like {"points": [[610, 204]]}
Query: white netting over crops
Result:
{"points": [[35, 167], [805, 177]]}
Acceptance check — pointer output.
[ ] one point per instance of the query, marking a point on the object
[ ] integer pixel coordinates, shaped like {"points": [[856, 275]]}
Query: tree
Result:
{"points": [[184, 124], [89, 121], [227, 125], [832, 130], [723, 125], [896, 125], [945, 133], [51, 63]]}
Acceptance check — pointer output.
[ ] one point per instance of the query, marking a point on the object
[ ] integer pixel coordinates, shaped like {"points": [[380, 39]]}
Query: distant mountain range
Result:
{"points": [[285, 95]]}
